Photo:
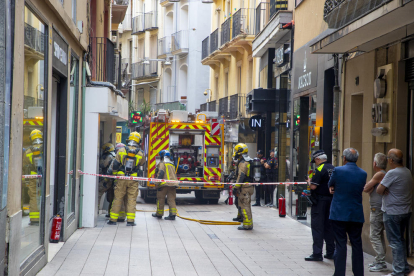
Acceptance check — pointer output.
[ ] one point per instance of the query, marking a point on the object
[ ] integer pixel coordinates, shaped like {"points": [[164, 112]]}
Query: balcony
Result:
{"points": [[150, 21], [243, 23], [164, 46], [138, 24], [237, 106], [119, 8], [126, 71], [34, 42], [203, 107], [127, 23], [212, 106], [214, 40], [179, 42], [205, 48], [102, 60], [225, 31], [145, 71], [224, 107]]}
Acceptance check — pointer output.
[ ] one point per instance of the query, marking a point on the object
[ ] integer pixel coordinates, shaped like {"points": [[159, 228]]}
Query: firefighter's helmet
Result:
{"points": [[240, 149], [134, 139], [36, 136], [108, 147], [119, 146], [165, 153]]}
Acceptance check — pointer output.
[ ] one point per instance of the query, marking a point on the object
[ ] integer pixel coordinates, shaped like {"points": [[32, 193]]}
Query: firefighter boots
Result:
{"points": [[170, 217], [129, 223], [156, 216], [111, 222], [242, 228]]}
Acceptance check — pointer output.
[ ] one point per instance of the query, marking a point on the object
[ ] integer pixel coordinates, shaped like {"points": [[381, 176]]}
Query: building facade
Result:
{"points": [[374, 118]]}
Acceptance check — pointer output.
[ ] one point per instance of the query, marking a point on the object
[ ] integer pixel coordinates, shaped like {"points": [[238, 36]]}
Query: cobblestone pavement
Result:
{"points": [[276, 246]]}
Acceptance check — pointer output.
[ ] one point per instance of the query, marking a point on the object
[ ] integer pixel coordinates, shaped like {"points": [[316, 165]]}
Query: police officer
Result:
{"points": [[33, 165], [127, 162], [108, 154], [270, 167], [166, 170], [245, 191], [259, 188], [321, 204]]}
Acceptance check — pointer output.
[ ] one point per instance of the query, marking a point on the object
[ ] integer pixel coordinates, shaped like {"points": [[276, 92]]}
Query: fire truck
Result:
{"points": [[196, 143]]}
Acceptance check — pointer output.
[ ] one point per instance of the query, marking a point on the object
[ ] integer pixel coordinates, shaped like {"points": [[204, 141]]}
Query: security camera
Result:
{"points": [[205, 92]]}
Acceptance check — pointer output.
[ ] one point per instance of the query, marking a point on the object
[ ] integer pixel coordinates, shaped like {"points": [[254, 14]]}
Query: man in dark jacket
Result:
{"points": [[259, 188], [321, 204], [346, 184]]}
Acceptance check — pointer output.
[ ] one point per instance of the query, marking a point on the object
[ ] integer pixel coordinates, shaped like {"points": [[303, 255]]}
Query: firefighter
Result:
{"points": [[166, 170], [110, 194], [108, 154], [127, 162], [321, 203], [245, 191], [33, 165]]}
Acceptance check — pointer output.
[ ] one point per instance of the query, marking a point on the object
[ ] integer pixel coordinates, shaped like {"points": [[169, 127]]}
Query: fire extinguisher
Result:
{"points": [[230, 195], [56, 227], [282, 206]]}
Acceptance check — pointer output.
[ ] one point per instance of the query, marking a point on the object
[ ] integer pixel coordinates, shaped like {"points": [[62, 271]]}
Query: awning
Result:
{"points": [[271, 36], [386, 24]]}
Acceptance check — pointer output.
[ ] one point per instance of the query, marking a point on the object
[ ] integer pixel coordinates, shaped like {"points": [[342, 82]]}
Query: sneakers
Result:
{"points": [[378, 267]]}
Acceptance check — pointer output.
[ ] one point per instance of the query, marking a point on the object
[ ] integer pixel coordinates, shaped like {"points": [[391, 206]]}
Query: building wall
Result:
{"points": [[54, 15]]}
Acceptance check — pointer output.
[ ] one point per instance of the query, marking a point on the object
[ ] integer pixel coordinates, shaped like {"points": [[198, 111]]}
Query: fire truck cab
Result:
{"points": [[196, 146]]}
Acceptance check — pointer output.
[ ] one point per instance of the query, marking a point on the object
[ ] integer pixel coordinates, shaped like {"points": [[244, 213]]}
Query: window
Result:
{"points": [[226, 84], [34, 129], [239, 80], [73, 11]]}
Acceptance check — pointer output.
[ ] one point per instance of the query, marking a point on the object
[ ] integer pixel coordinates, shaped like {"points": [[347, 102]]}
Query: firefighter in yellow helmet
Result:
{"points": [[245, 191], [127, 162], [108, 154], [166, 170], [33, 165]]}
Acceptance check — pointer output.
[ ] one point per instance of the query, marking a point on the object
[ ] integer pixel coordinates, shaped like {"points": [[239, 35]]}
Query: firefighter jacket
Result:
{"points": [[243, 172], [33, 161], [166, 170], [127, 161], [105, 161]]}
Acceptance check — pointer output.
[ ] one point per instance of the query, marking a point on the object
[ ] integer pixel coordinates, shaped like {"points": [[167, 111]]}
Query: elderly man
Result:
{"points": [[396, 188], [347, 216], [376, 220], [321, 199]]}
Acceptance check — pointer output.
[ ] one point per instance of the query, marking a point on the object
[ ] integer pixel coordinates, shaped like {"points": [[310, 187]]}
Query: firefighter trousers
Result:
{"points": [[110, 195], [122, 189], [170, 192], [236, 203], [245, 205], [34, 213]]}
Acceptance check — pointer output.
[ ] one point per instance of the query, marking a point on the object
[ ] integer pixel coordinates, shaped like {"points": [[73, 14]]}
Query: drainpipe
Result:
{"points": [[82, 141], [336, 107]]}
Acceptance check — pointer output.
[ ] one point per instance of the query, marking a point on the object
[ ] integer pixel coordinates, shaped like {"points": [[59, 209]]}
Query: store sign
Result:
{"points": [[305, 69], [282, 55], [256, 122], [60, 54]]}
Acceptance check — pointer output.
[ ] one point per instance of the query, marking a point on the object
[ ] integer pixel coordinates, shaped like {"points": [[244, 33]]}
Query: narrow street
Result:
{"points": [[276, 246]]}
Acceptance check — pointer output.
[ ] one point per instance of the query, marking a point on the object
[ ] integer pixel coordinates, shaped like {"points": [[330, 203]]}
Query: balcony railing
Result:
{"points": [[226, 31], [138, 24], [164, 46], [205, 48], [126, 71], [212, 106], [237, 106], [171, 94], [102, 59], [141, 70], [34, 39], [179, 41], [127, 23], [150, 20], [277, 5], [339, 13], [243, 22], [203, 107], [223, 107], [214, 41]]}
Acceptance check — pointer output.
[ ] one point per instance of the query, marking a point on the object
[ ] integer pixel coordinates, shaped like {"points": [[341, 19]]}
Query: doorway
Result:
{"points": [[58, 146]]}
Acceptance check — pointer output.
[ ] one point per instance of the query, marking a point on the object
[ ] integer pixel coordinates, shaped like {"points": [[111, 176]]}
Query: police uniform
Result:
{"points": [[166, 170], [321, 199], [270, 173], [127, 162]]}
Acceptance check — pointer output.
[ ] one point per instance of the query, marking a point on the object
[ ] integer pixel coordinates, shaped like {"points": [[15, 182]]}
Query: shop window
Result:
{"points": [[34, 134], [72, 134]]}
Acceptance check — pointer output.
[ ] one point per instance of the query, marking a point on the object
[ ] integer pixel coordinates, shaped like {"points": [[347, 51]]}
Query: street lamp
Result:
{"points": [[37, 92], [208, 92]]}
